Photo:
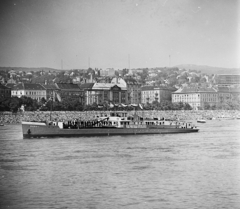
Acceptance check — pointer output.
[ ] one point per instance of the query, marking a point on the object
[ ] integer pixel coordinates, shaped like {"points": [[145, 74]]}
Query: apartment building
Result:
{"points": [[196, 97], [223, 80], [156, 93], [104, 92], [69, 90], [34, 91], [133, 88]]}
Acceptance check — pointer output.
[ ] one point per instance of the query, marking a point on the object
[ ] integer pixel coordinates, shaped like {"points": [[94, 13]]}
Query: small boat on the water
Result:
{"points": [[224, 117], [201, 121], [1, 124], [116, 123]]}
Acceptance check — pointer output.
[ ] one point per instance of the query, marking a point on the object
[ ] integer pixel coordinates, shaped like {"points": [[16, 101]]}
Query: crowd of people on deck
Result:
{"points": [[10, 118], [79, 123]]}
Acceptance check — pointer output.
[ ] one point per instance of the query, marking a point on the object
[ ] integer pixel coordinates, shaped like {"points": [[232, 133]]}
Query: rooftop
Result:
{"points": [[28, 86], [185, 90], [86, 86], [68, 86], [3, 87], [146, 88], [49, 86]]}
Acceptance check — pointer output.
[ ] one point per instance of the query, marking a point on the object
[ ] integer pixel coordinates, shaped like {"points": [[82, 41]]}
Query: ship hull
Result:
{"points": [[38, 131]]}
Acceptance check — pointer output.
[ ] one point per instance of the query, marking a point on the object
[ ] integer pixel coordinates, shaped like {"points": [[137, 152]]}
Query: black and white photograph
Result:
{"points": [[119, 104]]}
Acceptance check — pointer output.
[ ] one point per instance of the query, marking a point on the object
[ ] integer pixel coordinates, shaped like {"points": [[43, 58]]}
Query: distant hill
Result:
{"points": [[203, 68], [45, 69], [210, 70]]}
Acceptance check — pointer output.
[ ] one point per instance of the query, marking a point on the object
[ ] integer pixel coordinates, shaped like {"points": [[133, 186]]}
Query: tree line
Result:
{"points": [[15, 104]]}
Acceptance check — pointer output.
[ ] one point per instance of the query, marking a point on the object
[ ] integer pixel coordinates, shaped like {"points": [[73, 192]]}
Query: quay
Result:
{"points": [[11, 118]]}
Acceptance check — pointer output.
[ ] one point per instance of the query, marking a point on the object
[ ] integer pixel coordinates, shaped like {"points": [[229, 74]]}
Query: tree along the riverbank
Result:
{"points": [[14, 104]]}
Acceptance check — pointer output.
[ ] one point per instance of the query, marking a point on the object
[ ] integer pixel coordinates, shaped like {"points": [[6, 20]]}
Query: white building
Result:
{"points": [[34, 91], [196, 97], [108, 72]]}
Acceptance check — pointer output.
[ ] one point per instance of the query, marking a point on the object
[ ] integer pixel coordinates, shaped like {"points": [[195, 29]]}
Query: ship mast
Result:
{"points": [[51, 106]]}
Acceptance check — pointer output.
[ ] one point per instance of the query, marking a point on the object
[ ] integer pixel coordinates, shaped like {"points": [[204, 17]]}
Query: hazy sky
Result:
{"points": [[41, 33]]}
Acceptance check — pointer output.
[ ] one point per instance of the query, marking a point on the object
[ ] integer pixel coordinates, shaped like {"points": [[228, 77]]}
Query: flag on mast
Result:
{"points": [[58, 97], [134, 105], [111, 105], [22, 108]]}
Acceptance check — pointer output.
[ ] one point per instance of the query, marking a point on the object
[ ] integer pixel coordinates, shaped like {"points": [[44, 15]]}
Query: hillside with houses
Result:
{"points": [[152, 88]]}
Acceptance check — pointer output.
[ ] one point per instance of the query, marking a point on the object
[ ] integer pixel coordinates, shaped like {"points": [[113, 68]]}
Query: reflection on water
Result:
{"points": [[197, 170]]}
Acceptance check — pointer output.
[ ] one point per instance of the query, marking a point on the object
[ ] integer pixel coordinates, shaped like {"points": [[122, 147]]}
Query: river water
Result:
{"points": [[195, 170]]}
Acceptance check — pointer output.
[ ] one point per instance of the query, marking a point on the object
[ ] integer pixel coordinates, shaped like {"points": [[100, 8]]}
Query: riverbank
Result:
{"points": [[9, 118]]}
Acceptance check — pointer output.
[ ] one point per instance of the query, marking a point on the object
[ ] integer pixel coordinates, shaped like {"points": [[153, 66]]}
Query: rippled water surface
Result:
{"points": [[196, 170]]}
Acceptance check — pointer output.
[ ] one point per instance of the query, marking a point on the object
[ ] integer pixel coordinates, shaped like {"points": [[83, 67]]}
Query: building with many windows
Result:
{"points": [[133, 88], [235, 93], [70, 90], [34, 91], [228, 94], [156, 93], [107, 72], [52, 91], [227, 80], [100, 93], [197, 98]]}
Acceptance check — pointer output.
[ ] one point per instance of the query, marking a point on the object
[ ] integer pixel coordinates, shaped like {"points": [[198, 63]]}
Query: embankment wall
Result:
{"points": [[10, 118]]}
